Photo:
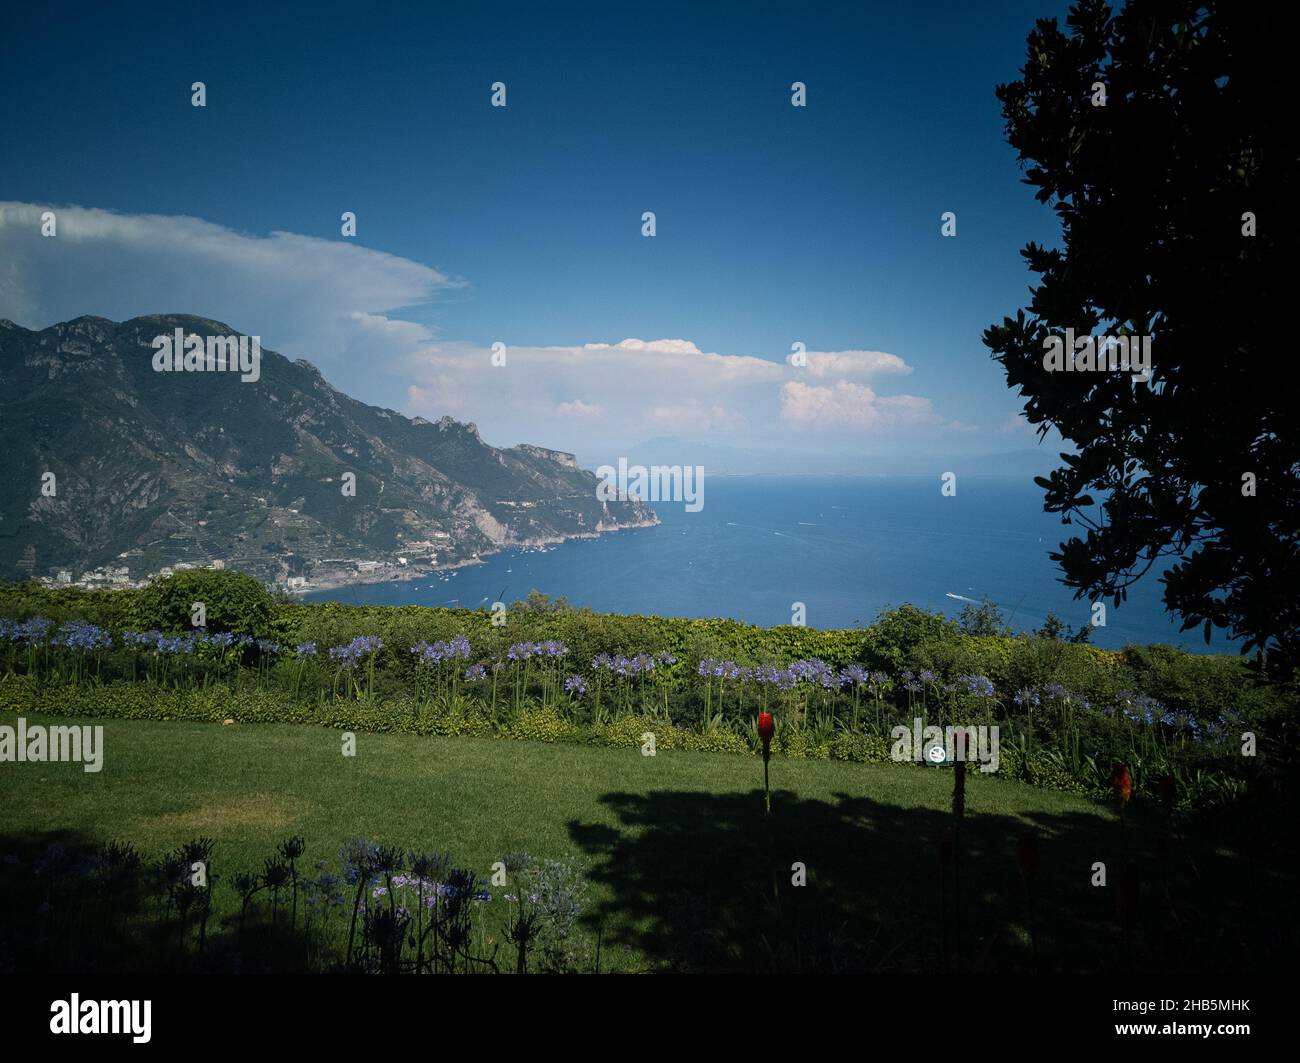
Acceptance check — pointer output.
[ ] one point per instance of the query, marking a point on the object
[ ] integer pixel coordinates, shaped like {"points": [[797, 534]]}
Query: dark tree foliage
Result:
{"points": [[1150, 190]]}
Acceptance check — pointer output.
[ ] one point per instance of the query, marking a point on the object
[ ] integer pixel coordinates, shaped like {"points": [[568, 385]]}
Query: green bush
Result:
{"points": [[233, 602]]}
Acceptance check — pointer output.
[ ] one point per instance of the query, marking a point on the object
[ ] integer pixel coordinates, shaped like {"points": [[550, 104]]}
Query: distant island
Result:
{"points": [[121, 472]]}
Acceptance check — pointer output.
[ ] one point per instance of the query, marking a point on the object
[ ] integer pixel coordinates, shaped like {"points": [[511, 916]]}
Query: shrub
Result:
{"points": [[232, 601]]}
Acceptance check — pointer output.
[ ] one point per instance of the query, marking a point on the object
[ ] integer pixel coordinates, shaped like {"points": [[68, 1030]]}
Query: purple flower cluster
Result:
{"points": [[475, 673], [1027, 698], [350, 656], [979, 685], [435, 653], [324, 891], [188, 644], [815, 672], [172, 645], [857, 675], [32, 632], [82, 635], [575, 685], [522, 651], [305, 649], [641, 664], [1139, 708]]}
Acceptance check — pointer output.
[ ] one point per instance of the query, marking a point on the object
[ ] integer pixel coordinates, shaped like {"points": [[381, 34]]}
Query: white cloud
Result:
{"points": [[340, 305], [855, 407], [305, 296], [855, 364]]}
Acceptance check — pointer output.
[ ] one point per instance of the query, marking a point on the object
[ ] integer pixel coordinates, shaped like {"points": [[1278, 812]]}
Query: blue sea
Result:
{"points": [[846, 548]]}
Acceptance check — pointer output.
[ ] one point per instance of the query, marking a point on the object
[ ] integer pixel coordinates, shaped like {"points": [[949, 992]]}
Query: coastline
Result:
{"points": [[395, 573]]}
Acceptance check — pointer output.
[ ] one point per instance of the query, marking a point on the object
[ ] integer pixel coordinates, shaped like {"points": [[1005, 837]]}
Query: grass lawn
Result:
{"points": [[685, 872]]}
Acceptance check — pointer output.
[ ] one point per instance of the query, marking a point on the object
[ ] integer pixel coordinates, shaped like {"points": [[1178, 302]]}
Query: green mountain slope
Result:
{"points": [[153, 468]]}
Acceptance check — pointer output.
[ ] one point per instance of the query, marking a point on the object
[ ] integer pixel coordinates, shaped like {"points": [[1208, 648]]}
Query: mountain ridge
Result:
{"points": [[156, 468]]}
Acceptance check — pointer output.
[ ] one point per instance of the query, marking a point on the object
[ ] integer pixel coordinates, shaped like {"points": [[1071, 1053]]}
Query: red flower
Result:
{"points": [[766, 729], [1027, 853], [1122, 783]]}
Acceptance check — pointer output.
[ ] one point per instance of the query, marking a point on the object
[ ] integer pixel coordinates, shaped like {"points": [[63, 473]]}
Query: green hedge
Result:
{"points": [[904, 637]]}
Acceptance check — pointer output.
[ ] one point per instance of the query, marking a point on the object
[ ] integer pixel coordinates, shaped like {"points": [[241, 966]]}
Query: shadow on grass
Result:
{"points": [[66, 907], [705, 882]]}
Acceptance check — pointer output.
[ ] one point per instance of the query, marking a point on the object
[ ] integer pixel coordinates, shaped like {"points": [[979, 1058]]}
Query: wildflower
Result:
{"points": [[575, 685], [475, 673], [33, 631], [350, 656], [1121, 782], [766, 729], [82, 636], [979, 685], [856, 674], [305, 649]]}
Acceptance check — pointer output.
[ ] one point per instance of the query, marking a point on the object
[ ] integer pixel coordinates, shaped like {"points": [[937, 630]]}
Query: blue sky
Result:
{"points": [[522, 224]]}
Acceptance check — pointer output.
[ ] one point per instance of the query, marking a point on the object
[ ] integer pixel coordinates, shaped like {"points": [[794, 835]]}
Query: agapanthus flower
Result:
{"points": [[856, 674], [33, 631], [83, 636], [360, 858], [350, 656]]}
